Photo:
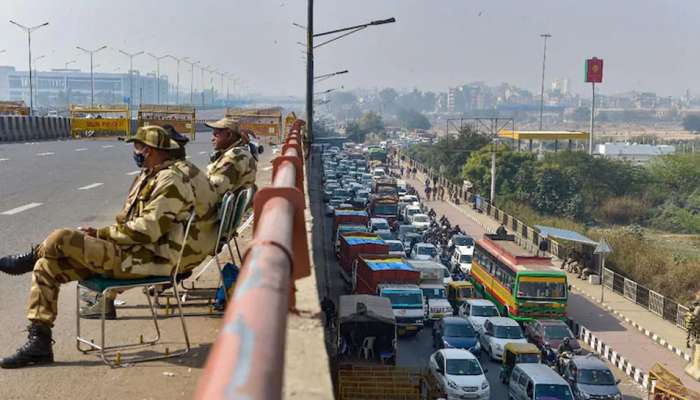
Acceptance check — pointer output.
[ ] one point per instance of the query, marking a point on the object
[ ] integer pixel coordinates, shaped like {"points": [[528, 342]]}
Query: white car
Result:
{"points": [[396, 248], [477, 311], [420, 221], [462, 259], [424, 252], [378, 224], [497, 332], [409, 211], [461, 242], [459, 374]]}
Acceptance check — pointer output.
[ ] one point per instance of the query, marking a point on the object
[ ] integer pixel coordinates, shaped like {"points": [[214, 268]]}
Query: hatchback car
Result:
{"points": [[497, 332], [378, 224], [456, 333], [551, 332], [477, 311], [459, 374], [590, 378]]}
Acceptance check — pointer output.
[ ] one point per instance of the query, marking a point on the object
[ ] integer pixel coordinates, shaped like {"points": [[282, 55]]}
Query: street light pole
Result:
{"points": [[157, 75], [192, 65], [36, 74], [92, 74], [131, 74], [544, 61], [177, 84], [29, 30], [310, 69]]}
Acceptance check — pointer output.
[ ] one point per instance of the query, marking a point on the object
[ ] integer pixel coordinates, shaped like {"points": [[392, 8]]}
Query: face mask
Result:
{"points": [[139, 159], [213, 156]]}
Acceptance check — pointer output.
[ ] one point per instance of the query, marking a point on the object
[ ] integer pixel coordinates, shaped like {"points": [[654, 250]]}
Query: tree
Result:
{"points": [[691, 122], [511, 167], [354, 132], [371, 122], [412, 119], [387, 99]]}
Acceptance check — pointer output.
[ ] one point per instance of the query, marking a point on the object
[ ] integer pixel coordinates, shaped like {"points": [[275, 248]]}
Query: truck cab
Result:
{"points": [[436, 304], [407, 304]]}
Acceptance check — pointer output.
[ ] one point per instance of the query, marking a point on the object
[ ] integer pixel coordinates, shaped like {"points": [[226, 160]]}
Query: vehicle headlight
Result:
{"points": [[485, 385], [446, 344], [498, 347], [452, 384]]}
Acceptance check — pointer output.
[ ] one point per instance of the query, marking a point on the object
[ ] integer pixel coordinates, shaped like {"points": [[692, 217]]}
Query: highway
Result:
{"points": [[414, 351]]}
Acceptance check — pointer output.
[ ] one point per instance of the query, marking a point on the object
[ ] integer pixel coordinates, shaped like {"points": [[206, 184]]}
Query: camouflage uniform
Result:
{"points": [[233, 169], [146, 239]]}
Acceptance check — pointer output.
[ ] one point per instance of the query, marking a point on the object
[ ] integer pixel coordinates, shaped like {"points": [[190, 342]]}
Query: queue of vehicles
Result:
{"points": [[482, 298]]}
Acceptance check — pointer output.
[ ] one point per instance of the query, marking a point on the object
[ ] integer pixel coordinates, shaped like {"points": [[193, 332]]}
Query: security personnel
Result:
{"points": [[145, 242], [232, 167], [202, 238]]}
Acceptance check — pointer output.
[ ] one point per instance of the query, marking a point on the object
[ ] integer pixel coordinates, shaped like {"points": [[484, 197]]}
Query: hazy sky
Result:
{"points": [[646, 44]]}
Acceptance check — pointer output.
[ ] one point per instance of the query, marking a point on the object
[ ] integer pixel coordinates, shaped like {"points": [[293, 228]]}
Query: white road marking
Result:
{"points": [[21, 208], [81, 149], [267, 168], [202, 152], [4, 159], [108, 146], [132, 173], [91, 186], [188, 157], [48, 153]]}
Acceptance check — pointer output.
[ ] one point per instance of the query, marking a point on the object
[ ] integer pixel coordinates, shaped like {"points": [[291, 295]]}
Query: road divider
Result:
{"points": [[48, 153], [15, 128]]}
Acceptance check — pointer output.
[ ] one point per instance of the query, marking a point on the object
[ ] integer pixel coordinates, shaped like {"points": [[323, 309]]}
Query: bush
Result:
{"points": [[622, 210]]}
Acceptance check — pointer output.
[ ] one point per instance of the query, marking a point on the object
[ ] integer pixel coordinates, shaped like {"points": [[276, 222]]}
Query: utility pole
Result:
{"points": [[177, 85], [92, 74], [29, 30], [310, 69], [157, 74], [131, 74], [544, 62]]}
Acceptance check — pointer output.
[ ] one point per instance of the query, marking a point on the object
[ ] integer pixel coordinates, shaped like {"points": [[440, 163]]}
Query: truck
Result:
{"points": [[377, 154], [392, 278], [349, 216], [432, 275], [353, 244]]}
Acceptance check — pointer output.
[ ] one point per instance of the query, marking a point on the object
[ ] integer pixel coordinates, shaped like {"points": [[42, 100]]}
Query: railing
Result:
{"points": [[247, 360]]}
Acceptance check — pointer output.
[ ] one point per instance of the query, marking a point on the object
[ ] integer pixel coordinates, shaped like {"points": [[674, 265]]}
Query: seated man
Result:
{"points": [[145, 242], [232, 167]]}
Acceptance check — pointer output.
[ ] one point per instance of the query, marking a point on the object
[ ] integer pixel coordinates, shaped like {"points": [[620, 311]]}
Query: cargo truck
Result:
{"points": [[433, 287], [353, 244]]}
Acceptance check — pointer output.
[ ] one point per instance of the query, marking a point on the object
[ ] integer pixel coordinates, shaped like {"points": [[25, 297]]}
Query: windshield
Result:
{"points": [[398, 299], [382, 226], [463, 367], [557, 332], [465, 258], [420, 218], [427, 251], [465, 292], [507, 332], [463, 241], [595, 377], [412, 211], [552, 392], [542, 290], [433, 293], [395, 246], [529, 358], [484, 311], [385, 209], [459, 330]]}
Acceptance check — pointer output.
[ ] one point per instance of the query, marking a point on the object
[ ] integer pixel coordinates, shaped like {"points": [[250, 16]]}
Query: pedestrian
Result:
{"points": [[427, 193], [145, 241], [328, 308]]}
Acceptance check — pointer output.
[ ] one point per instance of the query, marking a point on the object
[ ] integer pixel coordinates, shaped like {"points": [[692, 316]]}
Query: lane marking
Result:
{"points": [[132, 173], [48, 153], [21, 208], [108, 146], [267, 168], [81, 149], [4, 159], [91, 186], [202, 152], [188, 157]]}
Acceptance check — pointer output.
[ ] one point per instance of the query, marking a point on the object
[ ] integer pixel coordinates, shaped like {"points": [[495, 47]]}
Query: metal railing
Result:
{"points": [[247, 360]]}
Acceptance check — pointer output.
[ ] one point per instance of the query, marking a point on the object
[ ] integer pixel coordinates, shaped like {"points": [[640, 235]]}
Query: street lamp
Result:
{"points": [[67, 63], [29, 30], [177, 85], [326, 76], [157, 74], [203, 82], [310, 35], [92, 72], [131, 74], [545, 36], [192, 65]]}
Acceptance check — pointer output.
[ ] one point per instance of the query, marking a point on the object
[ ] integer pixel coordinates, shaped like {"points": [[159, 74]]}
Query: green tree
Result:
{"points": [[691, 122], [513, 171], [354, 132], [371, 122], [412, 119]]}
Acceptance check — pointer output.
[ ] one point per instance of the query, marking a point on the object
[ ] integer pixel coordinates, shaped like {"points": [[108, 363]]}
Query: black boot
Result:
{"points": [[38, 349], [19, 264]]}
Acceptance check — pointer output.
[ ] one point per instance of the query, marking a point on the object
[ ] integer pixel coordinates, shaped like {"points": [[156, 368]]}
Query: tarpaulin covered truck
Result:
{"points": [[355, 243], [347, 216]]}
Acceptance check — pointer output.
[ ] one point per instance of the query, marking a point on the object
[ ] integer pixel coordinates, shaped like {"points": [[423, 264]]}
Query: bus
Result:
{"points": [[523, 287]]}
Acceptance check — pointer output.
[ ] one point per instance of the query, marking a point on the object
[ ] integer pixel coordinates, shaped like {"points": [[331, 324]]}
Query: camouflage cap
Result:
{"points": [[225, 123], [154, 136]]}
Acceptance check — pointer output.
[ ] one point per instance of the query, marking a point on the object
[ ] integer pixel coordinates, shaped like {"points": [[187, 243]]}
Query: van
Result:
{"points": [[537, 382]]}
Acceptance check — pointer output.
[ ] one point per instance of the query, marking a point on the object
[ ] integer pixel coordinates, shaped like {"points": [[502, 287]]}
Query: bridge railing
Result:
{"points": [[247, 360]]}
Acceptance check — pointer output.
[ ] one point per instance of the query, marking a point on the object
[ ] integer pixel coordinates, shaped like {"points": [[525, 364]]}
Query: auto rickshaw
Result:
{"points": [[518, 353], [458, 292]]}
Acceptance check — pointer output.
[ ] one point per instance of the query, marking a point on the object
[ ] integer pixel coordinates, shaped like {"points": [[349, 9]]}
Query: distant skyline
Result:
{"points": [[647, 46]]}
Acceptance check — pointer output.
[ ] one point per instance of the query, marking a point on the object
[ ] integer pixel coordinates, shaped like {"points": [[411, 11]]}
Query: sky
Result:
{"points": [[647, 45]]}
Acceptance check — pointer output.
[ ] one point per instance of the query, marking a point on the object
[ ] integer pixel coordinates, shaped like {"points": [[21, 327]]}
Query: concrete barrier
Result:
{"points": [[25, 128]]}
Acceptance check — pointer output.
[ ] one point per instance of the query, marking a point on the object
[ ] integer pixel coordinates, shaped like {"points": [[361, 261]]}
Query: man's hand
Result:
{"points": [[88, 231]]}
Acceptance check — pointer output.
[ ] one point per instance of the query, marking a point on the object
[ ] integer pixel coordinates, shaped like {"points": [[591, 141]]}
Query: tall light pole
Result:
{"points": [[212, 72], [157, 74], [29, 30], [65, 79], [36, 73], [67, 63], [92, 72], [545, 36], [131, 74], [192, 65], [203, 82], [177, 84]]}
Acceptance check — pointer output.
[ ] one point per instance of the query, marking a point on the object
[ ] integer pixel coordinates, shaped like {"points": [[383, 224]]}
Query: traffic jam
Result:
{"points": [[405, 270]]}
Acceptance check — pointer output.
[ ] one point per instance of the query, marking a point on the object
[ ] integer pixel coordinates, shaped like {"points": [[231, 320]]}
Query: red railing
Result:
{"points": [[247, 360]]}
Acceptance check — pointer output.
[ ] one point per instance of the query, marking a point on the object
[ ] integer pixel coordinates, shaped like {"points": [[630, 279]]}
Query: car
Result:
{"points": [[590, 378], [424, 251], [385, 234], [328, 191], [477, 311], [537, 381], [497, 332], [551, 332], [461, 242], [420, 221], [396, 248], [462, 259], [409, 239], [342, 194], [377, 224], [456, 333], [403, 229], [459, 374], [408, 212]]}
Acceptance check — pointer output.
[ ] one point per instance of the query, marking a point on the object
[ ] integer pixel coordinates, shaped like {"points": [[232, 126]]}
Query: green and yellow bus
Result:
{"points": [[523, 286]]}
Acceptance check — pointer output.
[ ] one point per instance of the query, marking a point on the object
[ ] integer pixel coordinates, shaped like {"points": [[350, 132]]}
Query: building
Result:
{"points": [[633, 152], [60, 87]]}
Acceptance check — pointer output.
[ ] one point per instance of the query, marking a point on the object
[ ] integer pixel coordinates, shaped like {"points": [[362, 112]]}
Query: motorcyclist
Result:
{"points": [[564, 354], [548, 355]]}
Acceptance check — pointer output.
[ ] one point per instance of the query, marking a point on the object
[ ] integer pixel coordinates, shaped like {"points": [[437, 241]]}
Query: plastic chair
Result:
{"points": [[368, 348], [103, 285]]}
